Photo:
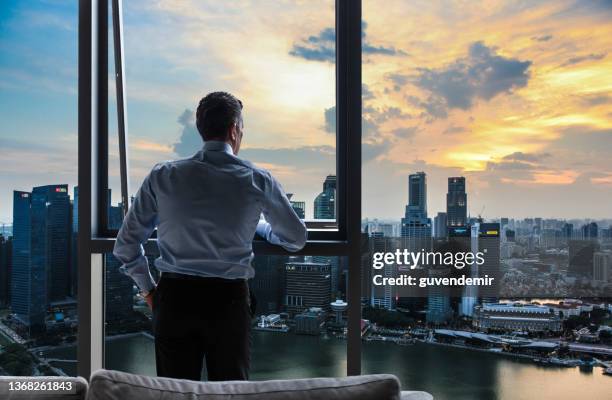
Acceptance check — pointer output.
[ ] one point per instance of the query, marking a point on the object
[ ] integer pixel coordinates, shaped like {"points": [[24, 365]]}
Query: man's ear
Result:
{"points": [[233, 133]]}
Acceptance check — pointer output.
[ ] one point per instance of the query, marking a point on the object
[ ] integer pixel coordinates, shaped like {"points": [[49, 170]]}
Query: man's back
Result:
{"points": [[206, 209]]}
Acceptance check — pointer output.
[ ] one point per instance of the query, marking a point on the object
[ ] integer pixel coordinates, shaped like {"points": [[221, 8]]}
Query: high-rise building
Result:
{"points": [[74, 261], [489, 245], [581, 256], [440, 225], [415, 224], [325, 202], [50, 235], [28, 283], [298, 206], [307, 285], [590, 231], [118, 290], [268, 285], [469, 299], [456, 201], [602, 266], [6, 254]]}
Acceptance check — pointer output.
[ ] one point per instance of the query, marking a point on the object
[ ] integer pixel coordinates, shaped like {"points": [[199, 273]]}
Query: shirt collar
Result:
{"points": [[217, 145]]}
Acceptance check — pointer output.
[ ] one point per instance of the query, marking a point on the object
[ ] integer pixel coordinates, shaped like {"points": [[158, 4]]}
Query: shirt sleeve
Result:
{"points": [[281, 225], [136, 229]]}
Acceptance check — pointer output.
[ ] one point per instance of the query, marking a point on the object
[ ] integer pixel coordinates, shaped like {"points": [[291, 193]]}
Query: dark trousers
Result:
{"points": [[196, 318]]}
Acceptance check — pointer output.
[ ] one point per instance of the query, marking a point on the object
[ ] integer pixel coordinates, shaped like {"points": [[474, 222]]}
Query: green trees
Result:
{"points": [[16, 360]]}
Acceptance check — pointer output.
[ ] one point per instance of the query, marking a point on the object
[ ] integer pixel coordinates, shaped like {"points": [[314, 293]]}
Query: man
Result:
{"points": [[206, 209]]}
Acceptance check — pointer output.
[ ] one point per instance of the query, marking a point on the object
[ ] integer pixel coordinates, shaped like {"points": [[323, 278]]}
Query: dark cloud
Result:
{"points": [[525, 157], [483, 74], [597, 100], [434, 107], [451, 130], [372, 149], [300, 158], [322, 47], [398, 80], [544, 38], [405, 133], [190, 140], [366, 93], [510, 166], [587, 57], [330, 119]]}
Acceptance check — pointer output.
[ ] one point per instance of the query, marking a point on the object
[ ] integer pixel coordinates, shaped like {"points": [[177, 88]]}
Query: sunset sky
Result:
{"points": [[514, 95]]}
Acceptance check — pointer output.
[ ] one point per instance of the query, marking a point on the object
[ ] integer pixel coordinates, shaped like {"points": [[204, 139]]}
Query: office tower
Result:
{"points": [[6, 253], [74, 264], [325, 202], [439, 308], [118, 290], [440, 225], [415, 224], [307, 285], [50, 235], [469, 299], [590, 231], [28, 283], [602, 266], [298, 206], [456, 201], [334, 264], [489, 245], [268, 285], [568, 231], [581, 256]]}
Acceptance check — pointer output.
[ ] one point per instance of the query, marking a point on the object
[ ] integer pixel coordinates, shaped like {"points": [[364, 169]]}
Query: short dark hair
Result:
{"points": [[216, 113]]}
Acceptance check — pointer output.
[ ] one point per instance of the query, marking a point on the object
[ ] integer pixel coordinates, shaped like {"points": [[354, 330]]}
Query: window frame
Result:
{"points": [[95, 238]]}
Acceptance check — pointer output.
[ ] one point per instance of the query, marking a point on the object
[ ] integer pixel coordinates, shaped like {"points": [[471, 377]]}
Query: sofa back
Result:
{"points": [[115, 385]]}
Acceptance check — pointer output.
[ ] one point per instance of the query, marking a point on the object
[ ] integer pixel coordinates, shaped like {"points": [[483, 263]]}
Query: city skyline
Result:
{"points": [[531, 129]]}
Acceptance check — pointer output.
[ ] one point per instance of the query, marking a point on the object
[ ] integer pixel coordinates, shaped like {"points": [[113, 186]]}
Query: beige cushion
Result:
{"points": [[77, 392], [114, 385]]}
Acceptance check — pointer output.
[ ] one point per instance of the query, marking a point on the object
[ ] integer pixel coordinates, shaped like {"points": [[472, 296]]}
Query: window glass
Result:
{"points": [[38, 197], [277, 57], [487, 129]]}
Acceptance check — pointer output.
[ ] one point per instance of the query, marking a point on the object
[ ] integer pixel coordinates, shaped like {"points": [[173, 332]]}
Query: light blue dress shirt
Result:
{"points": [[206, 209]]}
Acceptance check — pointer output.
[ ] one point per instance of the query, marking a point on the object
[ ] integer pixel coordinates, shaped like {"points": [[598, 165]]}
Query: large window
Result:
{"points": [[38, 197], [277, 57], [486, 128], [300, 91]]}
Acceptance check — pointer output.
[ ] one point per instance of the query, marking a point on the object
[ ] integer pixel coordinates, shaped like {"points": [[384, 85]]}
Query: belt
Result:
{"points": [[185, 277]]}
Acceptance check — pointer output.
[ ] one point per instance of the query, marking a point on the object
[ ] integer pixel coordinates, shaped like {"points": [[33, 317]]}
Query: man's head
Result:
{"points": [[219, 117]]}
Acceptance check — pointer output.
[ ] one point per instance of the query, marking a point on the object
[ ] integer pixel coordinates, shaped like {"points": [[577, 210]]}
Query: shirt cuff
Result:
{"points": [[139, 271]]}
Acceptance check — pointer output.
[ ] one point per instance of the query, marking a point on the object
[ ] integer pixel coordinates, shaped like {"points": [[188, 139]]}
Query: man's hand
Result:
{"points": [[149, 299]]}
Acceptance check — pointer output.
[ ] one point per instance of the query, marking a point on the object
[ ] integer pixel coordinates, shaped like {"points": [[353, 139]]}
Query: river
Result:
{"points": [[448, 373]]}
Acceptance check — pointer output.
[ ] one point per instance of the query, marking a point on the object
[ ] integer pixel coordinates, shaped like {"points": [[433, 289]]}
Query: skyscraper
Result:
{"points": [[456, 201], [298, 206], [51, 238], [6, 254], [307, 285], [268, 284], [489, 245], [118, 289], [28, 284], [325, 202], [415, 223], [440, 225]]}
